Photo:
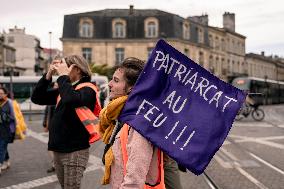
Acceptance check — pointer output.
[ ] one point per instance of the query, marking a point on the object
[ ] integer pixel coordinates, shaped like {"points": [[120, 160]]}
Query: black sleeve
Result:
{"points": [[41, 95], [85, 96]]}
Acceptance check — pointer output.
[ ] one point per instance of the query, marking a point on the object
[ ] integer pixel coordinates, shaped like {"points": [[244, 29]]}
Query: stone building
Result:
{"points": [[266, 67], [8, 59], [108, 36], [28, 50]]}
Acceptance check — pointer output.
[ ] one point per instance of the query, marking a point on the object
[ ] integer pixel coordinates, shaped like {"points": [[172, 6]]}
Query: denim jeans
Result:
{"points": [[7, 157], [3, 150]]}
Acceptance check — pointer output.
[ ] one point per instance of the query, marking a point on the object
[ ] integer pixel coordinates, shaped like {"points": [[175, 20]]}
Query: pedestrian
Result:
{"points": [[7, 128], [68, 137], [48, 113], [131, 161], [18, 128]]}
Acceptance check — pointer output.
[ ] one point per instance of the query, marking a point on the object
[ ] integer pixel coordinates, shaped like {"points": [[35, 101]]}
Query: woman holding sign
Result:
{"points": [[131, 161]]}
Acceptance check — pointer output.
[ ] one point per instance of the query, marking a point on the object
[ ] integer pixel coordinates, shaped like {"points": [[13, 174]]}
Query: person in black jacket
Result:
{"points": [[48, 113], [68, 138]]}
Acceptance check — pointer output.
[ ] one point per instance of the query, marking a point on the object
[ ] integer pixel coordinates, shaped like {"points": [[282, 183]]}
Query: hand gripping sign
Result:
{"points": [[182, 108]]}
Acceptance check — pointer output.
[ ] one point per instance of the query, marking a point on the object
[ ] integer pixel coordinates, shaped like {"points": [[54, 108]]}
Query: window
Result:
{"points": [[223, 45], [238, 67], [119, 55], [151, 29], [119, 32], [217, 66], [211, 64], [118, 28], [86, 30], [186, 52], [230, 67], [151, 26], [201, 58], [86, 27], [217, 43], [149, 51], [210, 40], [10, 55], [200, 35], [186, 31], [87, 54]]}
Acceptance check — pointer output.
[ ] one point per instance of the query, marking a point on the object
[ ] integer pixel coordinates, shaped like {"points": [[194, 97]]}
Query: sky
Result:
{"points": [[261, 21]]}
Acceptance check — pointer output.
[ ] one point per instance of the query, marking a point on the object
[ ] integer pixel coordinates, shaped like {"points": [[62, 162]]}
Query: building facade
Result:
{"points": [[108, 36], [267, 67], [7, 56], [28, 50]]}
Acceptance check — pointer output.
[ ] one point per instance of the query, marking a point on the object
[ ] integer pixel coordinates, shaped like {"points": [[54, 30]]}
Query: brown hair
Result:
{"points": [[132, 68], [80, 62], [4, 90]]}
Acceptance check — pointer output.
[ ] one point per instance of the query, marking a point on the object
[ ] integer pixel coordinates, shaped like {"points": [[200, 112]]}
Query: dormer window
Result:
{"points": [[186, 30], [151, 26], [118, 28], [86, 28], [200, 34]]}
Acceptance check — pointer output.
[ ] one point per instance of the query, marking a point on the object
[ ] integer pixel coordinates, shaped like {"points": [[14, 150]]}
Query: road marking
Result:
{"points": [[34, 183], [223, 163], [46, 180], [271, 138], [264, 125], [37, 136], [262, 140], [96, 164], [236, 164], [251, 178], [227, 160], [266, 163]]}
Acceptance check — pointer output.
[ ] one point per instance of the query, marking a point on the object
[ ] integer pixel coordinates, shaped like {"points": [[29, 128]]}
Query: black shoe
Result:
{"points": [[50, 170]]}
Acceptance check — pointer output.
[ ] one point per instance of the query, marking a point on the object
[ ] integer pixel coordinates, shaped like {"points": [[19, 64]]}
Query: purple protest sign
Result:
{"points": [[181, 107]]}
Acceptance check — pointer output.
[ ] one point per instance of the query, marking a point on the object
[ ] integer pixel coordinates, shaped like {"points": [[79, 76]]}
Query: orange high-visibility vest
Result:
{"points": [[89, 119], [160, 184]]}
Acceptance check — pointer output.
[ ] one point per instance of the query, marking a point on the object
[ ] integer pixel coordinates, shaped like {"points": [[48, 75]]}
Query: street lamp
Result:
{"points": [[50, 58], [11, 70]]}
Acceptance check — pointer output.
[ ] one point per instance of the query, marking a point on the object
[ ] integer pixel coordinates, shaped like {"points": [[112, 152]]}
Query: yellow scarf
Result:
{"points": [[108, 117]]}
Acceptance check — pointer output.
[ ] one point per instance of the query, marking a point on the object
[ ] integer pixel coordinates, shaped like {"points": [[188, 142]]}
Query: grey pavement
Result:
{"points": [[250, 158]]}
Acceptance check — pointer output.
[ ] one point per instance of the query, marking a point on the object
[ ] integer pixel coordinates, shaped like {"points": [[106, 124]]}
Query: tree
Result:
{"points": [[103, 70]]}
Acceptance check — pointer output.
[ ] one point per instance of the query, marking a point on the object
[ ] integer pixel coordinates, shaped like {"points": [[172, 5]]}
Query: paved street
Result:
{"points": [[250, 158]]}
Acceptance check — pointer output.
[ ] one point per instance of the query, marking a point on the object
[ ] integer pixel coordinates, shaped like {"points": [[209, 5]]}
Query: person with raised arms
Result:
{"points": [[68, 136]]}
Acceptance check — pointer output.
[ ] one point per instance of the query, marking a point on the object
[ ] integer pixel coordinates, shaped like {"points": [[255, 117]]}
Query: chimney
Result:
{"points": [[229, 21], [262, 53], [131, 9], [204, 19]]}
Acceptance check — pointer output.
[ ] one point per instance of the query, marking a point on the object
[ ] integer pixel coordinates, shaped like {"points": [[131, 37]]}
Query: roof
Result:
{"points": [[169, 23], [227, 30], [123, 13], [261, 57]]}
